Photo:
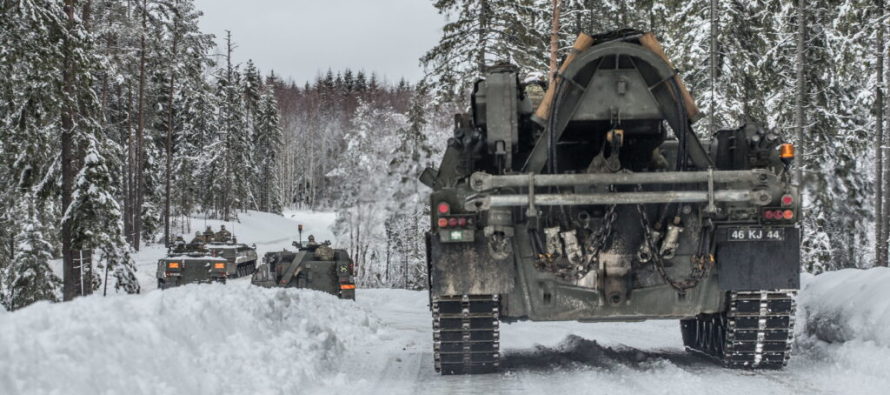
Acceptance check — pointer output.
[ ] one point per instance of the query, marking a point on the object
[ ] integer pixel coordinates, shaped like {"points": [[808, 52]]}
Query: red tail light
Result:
{"points": [[462, 221], [452, 222], [787, 200], [443, 208], [768, 214], [443, 222]]}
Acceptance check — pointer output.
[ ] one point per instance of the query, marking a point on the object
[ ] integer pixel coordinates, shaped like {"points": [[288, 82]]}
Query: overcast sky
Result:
{"points": [[300, 38]]}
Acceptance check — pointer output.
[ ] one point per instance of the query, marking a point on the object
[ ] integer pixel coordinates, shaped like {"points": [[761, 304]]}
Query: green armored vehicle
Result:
{"points": [[604, 205], [313, 266], [178, 270], [241, 258], [209, 257]]}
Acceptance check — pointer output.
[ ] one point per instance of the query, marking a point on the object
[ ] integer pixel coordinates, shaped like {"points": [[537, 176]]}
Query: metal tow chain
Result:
{"points": [[601, 238], [700, 264]]}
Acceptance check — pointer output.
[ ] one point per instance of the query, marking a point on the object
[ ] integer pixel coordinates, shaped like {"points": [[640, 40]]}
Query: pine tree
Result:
{"points": [[268, 146], [483, 32], [96, 216], [29, 278]]}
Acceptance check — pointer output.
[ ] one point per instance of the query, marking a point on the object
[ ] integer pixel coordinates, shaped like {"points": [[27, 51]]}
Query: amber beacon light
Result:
{"points": [[786, 151]]}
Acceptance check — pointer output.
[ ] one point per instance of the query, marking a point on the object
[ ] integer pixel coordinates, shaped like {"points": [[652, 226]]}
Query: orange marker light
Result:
{"points": [[443, 222], [788, 214], [347, 286], [219, 265], [786, 151], [173, 265]]}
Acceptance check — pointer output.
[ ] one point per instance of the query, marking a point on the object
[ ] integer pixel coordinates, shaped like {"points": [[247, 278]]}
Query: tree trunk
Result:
{"points": [[85, 256], [483, 30], [800, 114], [140, 136], [880, 238], [71, 273], [713, 67], [885, 143], [227, 187], [169, 140], [128, 176], [554, 43]]}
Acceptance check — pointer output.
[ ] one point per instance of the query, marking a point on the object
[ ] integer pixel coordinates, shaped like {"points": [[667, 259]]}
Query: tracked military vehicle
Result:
{"points": [[209, 257], [312, 266], [600, 203], [176, 270], [240, 258]]}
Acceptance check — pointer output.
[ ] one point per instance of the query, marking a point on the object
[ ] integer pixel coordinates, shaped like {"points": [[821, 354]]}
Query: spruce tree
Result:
{"points": [[482, 33], [29, 278], [268, 148]]}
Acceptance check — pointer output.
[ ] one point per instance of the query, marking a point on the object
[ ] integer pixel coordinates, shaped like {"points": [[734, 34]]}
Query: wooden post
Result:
{"points": [[554, 43], [581, 43]]}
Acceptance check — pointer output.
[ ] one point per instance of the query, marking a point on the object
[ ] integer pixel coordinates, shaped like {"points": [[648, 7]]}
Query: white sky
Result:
{"points": [[301, 38]]}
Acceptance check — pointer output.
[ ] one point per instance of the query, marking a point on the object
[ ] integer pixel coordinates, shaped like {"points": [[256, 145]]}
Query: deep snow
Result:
{"points": [[239, 339], [207, 339]]}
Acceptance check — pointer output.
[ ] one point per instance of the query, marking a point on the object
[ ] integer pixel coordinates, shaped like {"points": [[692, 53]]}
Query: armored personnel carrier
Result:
{"points": [[602, 204], [209, 257], [240, 258], [176, 269], [313, 266]]}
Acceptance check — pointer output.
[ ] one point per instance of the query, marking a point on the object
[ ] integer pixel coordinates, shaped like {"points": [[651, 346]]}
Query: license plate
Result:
{"points": [[755, 234]]}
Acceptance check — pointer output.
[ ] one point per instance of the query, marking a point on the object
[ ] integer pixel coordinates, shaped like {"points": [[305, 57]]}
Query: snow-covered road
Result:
{"points": [[238, 339], [578, 358]]}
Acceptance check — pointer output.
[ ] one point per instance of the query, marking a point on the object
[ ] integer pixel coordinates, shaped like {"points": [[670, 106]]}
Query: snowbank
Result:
{"points": [[208, 339], [848, 305]]}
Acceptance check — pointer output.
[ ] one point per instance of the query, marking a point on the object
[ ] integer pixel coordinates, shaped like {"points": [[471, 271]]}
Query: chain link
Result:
{"points": [[700, 264], [600, 239]]}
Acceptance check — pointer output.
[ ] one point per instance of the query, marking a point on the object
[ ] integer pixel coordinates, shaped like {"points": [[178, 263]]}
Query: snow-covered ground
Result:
{"points": [[238, 339]]}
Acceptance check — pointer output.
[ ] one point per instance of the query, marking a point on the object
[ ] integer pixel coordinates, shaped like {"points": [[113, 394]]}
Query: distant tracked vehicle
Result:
{"points": [[312, 266], [209, 257]]}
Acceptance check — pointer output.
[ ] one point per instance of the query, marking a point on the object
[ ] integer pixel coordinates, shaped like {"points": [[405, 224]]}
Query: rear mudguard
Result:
{"points": [[468, 269], [758, 265]]}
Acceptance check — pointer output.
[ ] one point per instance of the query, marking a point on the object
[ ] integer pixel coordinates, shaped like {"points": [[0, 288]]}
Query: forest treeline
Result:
{"points": [[118, 121], [356, 144]]}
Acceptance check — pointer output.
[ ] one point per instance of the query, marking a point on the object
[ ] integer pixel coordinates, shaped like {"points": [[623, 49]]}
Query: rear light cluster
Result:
{"points": [[780, 215], [455, 222], [784, 213], [446, 220]]}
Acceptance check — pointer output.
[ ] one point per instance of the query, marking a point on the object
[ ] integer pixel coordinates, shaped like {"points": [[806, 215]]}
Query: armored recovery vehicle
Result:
{"points": [[312, 266], [209, 257], [603, 205]]}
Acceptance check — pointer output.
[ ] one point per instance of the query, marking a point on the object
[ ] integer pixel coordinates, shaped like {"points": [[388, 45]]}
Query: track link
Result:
{"points": [[466, 338], [755, 332]]}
